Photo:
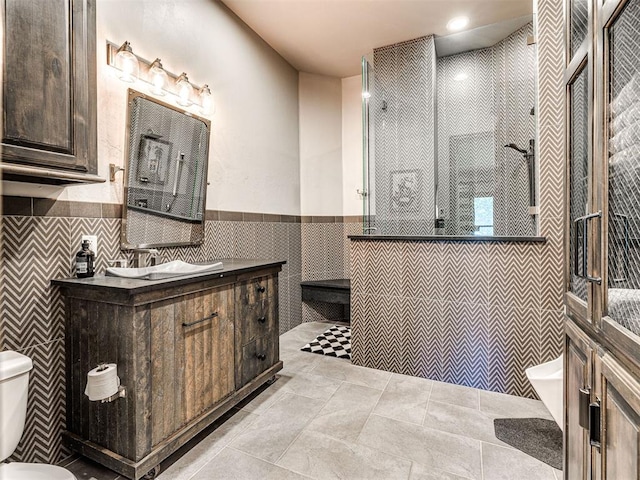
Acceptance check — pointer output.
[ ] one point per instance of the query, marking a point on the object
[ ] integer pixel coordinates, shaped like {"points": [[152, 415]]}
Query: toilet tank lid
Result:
{"points": [[13, 363]]}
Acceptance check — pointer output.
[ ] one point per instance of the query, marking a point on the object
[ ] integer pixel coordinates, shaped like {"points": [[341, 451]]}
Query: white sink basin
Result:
{"points": [[176, 268]]}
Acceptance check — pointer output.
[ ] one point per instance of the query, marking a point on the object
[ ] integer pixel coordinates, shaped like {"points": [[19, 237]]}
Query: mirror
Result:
{"points": [[166, 175]]}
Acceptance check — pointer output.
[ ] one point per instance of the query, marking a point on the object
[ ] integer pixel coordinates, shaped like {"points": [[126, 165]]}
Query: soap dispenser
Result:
{"points": [[85, 259]]}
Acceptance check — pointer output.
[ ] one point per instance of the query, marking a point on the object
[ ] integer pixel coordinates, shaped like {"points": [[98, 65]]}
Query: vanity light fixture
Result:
{"points": [[366, 95], [158, 77], [127, 63], [461, 77], [161, 82], [458, 23], [184, 90], [206, 100]]}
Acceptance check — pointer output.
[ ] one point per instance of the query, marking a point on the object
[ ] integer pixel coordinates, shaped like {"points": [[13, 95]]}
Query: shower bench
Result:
{"points": [[337, 291]]}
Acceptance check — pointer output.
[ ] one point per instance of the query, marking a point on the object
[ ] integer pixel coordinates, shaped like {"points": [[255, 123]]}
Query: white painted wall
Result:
{"points": [[320, 100], [254, 153], [352, 145]]}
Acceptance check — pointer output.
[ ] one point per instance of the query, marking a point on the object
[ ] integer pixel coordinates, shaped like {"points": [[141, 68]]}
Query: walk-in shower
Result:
{"points": [[445, 138]]}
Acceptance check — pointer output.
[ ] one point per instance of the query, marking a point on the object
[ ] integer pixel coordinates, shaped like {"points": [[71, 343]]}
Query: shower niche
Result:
{"points": [[461, 114]]}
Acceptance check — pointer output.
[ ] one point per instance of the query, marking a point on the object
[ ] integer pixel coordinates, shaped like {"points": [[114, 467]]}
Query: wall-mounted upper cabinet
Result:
{"points": [[49, 94]]}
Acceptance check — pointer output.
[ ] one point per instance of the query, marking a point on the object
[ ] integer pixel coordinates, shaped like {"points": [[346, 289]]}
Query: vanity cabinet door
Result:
{"points": [[49, 97], [192, 357]]}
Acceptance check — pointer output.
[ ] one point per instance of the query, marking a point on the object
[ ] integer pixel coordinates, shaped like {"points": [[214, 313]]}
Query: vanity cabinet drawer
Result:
{"points": [[256, 320], [257, 289], [257, 356]]}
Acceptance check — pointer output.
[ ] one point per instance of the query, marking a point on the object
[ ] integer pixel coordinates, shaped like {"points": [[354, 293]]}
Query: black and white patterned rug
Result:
{"points": [[335, 342]]}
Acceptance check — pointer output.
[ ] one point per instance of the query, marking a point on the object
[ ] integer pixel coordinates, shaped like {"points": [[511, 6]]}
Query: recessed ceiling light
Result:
{"points": [[458, 23], [461, 77]]}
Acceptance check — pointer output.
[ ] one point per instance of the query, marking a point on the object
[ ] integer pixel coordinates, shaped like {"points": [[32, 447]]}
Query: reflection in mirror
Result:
{"points": [[166, 175]]}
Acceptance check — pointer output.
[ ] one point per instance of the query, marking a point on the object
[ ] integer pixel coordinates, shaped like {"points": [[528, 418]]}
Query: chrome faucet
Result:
{"points": [[138, 259], [370, 230]]}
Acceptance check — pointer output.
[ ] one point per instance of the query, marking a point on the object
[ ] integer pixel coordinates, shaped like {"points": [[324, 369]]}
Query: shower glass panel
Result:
{"points": [[449, 142], [578, 180], [624, 170]]}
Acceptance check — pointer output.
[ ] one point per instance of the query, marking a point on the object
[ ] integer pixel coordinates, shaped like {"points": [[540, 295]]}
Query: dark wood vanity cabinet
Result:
{"points": [[49, 91], [187, 351]]}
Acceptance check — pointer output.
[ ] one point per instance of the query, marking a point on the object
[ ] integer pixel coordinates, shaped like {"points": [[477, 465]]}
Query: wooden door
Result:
{"points": [[578, 371], [49, 95], [620, 411]]}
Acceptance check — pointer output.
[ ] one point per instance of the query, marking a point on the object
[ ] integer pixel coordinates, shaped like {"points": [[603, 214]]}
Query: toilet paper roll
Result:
{"points": [[102, 382]]}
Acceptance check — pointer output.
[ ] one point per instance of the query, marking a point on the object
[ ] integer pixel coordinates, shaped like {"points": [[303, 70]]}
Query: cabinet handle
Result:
{"points": [[261, 356], [585, 247], [262, 319], [261, 289], [191, 324]]}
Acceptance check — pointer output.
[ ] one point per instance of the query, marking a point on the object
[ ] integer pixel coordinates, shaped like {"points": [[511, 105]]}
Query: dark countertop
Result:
{"points": [[341, 283], [230, 266], [448, 238]]}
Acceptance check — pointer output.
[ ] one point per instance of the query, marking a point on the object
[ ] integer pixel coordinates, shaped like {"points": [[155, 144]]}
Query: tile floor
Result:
{"points": [[327, 419]]}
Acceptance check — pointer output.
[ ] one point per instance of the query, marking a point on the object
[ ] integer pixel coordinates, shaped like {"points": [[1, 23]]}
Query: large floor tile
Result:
{"points": [[264, 399], [454, 394], [469, 422], [501, 463], [510, 406], [192, 461], [343, 370], [422, 472], [426, 446], [309, 385], [270, 435], [405, 398], [346, 412], [320, 456], [230, 464]]}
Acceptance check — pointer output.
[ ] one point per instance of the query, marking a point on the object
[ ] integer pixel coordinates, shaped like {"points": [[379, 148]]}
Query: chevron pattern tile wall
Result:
{"points": [[403, 112], [33, 312], [477, 116]]}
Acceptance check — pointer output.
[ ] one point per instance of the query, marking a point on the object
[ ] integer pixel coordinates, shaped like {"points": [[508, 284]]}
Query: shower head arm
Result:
{"points": [[513, 146]]}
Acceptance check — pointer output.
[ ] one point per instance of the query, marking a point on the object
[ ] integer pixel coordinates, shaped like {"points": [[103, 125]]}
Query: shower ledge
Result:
{"points": [[448, 238]]}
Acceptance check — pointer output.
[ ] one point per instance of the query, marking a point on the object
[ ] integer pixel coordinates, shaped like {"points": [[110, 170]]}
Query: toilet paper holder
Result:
{"points": [[121, 393]]}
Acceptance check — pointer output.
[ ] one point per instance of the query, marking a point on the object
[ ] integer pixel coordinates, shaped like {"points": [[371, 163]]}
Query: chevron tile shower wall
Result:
{"points": [[32, 312], [473, 313], [403, 119], [485, 99]]}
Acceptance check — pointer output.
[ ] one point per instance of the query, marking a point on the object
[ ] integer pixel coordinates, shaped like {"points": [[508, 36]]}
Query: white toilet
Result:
{"points": [[14, 385], [546, 379]]}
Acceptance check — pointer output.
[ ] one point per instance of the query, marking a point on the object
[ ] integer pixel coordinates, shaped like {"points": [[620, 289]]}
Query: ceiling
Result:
{"points": [[329, 37]]}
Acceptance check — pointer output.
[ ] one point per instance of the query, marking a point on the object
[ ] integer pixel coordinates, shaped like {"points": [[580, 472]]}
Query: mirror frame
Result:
{"points": [[124, 244]]}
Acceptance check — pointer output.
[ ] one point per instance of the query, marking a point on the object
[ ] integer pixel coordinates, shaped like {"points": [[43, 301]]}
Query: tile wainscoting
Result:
{"points": [[40, 238]]}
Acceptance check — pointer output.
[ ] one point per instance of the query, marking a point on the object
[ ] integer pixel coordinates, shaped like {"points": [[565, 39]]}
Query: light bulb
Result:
{"points": [[206, 100], [461, 77], [458, 23], [127, 63], [158, 77], [185, 90], [366, 94]]}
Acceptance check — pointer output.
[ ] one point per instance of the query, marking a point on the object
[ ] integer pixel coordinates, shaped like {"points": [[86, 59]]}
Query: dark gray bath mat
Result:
{"points": [[540, 438], [335, 342]]}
